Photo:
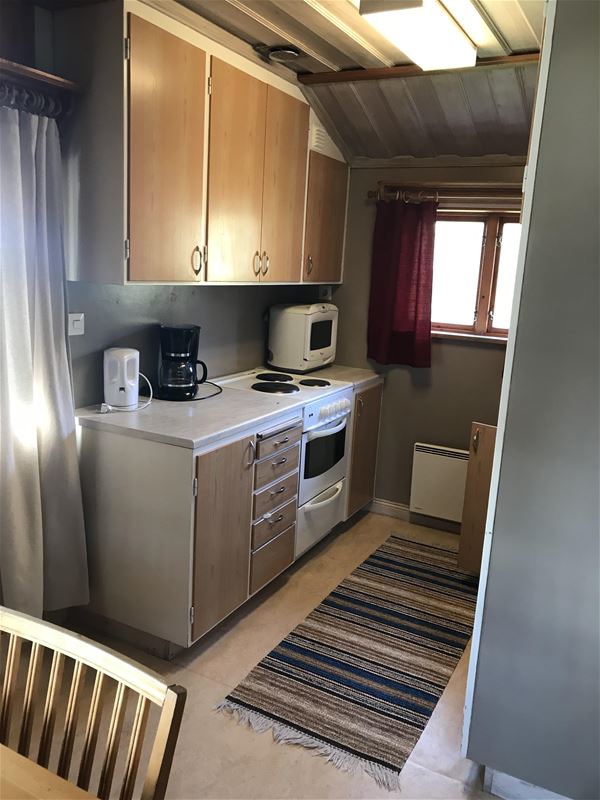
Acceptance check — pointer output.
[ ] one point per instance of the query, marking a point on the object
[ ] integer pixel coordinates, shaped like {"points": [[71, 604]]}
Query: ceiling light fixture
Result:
{"points": [[422, 29]]}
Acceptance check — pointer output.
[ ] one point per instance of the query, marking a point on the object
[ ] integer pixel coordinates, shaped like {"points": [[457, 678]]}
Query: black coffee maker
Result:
{"points": [[177, 374]]}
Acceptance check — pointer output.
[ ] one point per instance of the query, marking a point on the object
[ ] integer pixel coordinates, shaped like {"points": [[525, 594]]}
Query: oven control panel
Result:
{"points": [[327, 409], [337, 409]]}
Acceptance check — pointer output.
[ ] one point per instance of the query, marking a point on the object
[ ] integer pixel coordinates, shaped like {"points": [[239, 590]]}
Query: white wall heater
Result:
{"points": [[438, 481]]}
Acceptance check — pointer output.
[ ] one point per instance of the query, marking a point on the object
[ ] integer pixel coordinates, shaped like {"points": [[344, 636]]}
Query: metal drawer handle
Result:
{"points": [[309, 265], [278, 491], [252, 447], [275, 521], [279, 463], [283, 441], [476, 441]]}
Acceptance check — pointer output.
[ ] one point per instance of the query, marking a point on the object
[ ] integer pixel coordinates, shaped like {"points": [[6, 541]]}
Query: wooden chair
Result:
{"points": [[104, 663]]}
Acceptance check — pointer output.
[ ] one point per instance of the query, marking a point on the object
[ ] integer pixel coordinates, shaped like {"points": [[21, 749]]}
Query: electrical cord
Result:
{"points": [[214, 394], [106, 407]]}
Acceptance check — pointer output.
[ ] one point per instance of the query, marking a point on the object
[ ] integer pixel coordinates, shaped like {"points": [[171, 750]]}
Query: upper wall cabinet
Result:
{"points": [[325, 219], [167, 80], [257, 178]]}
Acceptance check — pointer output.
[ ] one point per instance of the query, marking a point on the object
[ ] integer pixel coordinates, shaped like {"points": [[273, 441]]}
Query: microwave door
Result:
{"points": [[321, 334]]}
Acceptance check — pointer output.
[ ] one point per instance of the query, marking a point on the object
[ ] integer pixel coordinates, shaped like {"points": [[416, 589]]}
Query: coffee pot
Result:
{"points": [[177, 369]]}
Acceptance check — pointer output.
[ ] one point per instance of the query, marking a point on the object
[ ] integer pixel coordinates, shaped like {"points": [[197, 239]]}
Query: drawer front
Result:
{"points": [[277, 442], [267, 529], [276, 495], [272, 559], [277, 465]]}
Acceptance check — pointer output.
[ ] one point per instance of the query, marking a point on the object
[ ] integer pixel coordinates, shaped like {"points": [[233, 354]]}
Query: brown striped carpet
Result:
{"points": [[358, 680]]}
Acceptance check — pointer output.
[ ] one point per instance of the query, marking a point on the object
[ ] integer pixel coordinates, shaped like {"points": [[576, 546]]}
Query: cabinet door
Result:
{"points": [[235, 174], [477, 490], [367, 410], [167, 95], [325, 219], [284, 187], [223, 526]]}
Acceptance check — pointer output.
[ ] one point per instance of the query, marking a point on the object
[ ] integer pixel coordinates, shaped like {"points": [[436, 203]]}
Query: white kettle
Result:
{"points": [[121, 377]]}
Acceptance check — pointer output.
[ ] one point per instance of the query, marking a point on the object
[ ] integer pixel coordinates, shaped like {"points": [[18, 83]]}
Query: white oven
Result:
{"points": [[323, 463], [302, 338]]}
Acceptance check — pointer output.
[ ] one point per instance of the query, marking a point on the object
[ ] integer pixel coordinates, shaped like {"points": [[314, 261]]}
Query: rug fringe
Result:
{"points": [[285, 734]]}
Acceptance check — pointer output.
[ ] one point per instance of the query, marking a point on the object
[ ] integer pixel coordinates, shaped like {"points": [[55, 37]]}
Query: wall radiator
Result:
{"points": [[438, 481]]}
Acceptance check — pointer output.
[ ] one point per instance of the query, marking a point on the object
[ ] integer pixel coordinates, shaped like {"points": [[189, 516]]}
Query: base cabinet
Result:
{"points": [[223, 525], [367, 412]]}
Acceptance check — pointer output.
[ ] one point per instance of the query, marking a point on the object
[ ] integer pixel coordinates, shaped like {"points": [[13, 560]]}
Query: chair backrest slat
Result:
{"points": [[13, 657], [71, 717], [136, 743], [49, 719], [91, 732], [106, 666], [33, 675], [112, 742]]}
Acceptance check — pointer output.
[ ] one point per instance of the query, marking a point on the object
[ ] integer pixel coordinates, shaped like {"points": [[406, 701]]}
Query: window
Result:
{"points": [[474, 269]]}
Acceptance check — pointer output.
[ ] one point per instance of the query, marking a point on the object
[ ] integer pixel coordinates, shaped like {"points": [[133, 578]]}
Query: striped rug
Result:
{"points": [[358, 680]]}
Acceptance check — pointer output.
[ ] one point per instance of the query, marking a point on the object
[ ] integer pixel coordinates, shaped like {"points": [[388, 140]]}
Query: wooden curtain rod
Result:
{"points": [[411, 70], [393, 191]]}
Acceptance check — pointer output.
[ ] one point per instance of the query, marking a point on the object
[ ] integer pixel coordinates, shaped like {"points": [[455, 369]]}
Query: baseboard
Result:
{"points": [[508, 787], [390, 509]]}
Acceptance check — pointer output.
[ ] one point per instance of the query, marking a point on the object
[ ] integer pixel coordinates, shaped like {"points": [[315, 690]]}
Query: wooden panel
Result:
{"points": [[272, 559], [367, 409], [477, 490], [278, 521], [276, 466], [20, 777], [284, 186], [278, 441], [272, 497], [223, 519], [325, 218], [235, 173], [166, 154]]}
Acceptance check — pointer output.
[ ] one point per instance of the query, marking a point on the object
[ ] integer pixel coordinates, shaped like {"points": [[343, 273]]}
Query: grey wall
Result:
{"points": [[463, 385], [536, 712], [232, 336]]}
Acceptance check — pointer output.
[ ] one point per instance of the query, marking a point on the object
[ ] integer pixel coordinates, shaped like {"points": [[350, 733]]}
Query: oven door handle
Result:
{"points": [[317, 434], [312, 506]]}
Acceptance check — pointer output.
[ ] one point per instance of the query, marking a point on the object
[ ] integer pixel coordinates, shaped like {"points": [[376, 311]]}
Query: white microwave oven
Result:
{"points": [[302, 338]]}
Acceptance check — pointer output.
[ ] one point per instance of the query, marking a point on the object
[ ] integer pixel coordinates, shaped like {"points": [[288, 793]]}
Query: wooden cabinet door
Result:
{"points": [[325, 219], [167, 95], [477, 490], [223, 527], [367, 410], [284, 187], [235, 173]]}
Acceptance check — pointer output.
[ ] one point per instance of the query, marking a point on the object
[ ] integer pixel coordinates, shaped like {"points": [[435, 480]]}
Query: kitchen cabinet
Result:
{"points": [[325, 219], [257, 176], [167, 94], [222, 533], [477, 490], [365, 434]]}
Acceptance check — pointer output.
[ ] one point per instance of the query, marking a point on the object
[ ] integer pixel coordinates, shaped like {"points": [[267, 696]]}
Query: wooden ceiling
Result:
{"points": [[332, 35]]}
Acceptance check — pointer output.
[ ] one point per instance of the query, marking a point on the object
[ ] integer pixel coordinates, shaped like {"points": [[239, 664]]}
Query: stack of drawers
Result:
{"points": [[274, 504]]}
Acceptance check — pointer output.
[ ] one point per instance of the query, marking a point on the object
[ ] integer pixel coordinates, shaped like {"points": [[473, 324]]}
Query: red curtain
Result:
{"points": [[399, 329]]}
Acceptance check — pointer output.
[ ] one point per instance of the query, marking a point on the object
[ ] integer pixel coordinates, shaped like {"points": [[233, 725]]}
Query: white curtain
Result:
{"points": [[43, 562]]}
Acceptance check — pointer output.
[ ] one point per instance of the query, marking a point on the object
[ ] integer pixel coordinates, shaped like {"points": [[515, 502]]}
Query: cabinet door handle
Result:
{"points": [[265, 267], [279, 463], [252, 448], [361, 405], [476, 441], [197, 260], [309, 265], [278, 491], [256, 263]]}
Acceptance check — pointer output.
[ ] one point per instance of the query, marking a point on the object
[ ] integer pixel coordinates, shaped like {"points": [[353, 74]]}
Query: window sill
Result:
{"points": [[469, 337]]}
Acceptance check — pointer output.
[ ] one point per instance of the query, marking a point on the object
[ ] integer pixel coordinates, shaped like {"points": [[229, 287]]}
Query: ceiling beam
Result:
{"points": [[410, 70]]}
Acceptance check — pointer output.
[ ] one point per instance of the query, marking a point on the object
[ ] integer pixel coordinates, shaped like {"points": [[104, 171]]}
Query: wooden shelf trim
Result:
{"points": [[28, 76]]}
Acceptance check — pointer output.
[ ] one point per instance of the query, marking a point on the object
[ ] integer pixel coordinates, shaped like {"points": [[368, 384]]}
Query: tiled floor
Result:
{"points": [[218, 758]]}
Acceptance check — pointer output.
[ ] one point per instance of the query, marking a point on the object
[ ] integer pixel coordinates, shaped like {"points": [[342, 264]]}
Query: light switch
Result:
{"points": [[76, 324]]}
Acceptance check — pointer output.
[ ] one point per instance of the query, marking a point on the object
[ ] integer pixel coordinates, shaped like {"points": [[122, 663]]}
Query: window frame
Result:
{"points": [[491, 244]]}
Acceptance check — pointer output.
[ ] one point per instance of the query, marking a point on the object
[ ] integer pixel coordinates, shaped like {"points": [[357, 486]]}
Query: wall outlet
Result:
{"points": [[76, 325], [325, 293]]}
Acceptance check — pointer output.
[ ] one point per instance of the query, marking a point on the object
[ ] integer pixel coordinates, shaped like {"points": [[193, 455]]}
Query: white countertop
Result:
{"points": [[199, 423]]}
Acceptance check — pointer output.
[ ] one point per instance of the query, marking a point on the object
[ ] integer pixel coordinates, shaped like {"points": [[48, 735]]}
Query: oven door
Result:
{"points": [[323, 458], [320, 337]]}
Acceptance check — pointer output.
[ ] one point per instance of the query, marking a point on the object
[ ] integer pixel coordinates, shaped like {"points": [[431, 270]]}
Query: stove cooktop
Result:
{"points": [[277, 382], [275, 387]]}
